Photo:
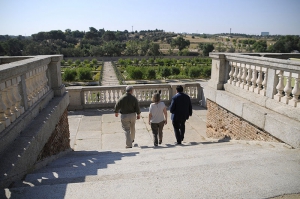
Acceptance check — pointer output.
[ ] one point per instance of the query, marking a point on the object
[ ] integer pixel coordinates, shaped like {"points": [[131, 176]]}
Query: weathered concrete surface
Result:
{"points": [[200, 168]]}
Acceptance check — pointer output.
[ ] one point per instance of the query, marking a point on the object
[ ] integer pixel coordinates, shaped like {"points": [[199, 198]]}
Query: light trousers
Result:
{"points": [[128, 125]]}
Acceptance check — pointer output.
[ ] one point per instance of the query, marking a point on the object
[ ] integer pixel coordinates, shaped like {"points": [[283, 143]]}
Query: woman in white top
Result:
{"points": [[157, 117]]}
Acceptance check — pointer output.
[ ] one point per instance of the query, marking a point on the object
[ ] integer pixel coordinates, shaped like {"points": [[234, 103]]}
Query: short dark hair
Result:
{"points": [[179, 88]]}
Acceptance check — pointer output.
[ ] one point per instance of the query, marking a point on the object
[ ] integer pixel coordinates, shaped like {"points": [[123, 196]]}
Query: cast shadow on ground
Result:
{"points": [[187, 144], [72, 168]]}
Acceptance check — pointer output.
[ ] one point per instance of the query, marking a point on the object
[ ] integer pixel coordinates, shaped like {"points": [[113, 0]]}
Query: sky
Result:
{"points": [[27, 17]]}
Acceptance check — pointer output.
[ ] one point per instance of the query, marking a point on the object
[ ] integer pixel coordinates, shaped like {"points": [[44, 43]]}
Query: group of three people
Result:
{"points": [[180, 109]]}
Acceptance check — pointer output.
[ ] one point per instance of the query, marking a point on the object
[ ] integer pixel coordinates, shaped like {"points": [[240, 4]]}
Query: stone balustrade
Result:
{"points": [[277, 74], [260, 91], [33, 111], [107, 96], [26, 86]]}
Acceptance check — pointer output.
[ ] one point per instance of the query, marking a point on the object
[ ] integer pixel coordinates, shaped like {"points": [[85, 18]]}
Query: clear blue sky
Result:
{"points": [[26, 17]]}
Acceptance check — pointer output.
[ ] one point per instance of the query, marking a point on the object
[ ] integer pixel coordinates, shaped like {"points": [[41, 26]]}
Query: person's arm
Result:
{"points": [[137, 109], [150, 116], [117, 108], [172, 106], [166, 114], [190, 107]]}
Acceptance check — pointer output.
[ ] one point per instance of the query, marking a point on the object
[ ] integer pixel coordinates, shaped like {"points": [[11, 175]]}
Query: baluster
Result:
{"points": [[33, 85], [28, 88], [243, 77], [18, 97], [258, 81], [264, 83], [254, 78], [288, 88], [11, 96], [248, 78], [296, 92], [114, 96], [235, 74], [231, 73], [105, 96], [8, 112], [109, 96], [5, 121], [86, 101], [279, 87], [45, 82], [239, 80]]}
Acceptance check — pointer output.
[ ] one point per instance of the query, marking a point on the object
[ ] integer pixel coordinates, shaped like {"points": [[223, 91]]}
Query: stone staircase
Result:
{"points": [[207, 169]]}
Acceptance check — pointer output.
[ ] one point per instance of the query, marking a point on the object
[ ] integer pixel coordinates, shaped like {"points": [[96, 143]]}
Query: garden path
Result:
{"points": [[109, 76]]}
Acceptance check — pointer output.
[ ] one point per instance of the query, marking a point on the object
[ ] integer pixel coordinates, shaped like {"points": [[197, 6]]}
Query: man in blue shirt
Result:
{"points": [[180, 109]]}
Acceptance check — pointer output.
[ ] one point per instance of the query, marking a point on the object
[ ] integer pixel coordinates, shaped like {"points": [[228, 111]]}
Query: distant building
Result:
{"points": [[264, 33]]}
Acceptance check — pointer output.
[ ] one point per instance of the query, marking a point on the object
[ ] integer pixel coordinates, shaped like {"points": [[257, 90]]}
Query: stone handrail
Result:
{"points": [[274, 78], [107, 96], [27, 84]]}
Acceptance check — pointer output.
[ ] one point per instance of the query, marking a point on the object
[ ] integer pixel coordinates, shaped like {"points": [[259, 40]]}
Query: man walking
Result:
{"points": [[180, 109], [128, 107]]}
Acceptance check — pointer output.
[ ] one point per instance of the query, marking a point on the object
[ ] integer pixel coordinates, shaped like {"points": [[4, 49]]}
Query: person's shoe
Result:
{"points": [[128, 147], [160, 142], [155, 144], [177, 143]]}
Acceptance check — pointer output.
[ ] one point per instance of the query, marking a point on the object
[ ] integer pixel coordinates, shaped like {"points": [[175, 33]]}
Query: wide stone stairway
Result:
{"points": [[101, 167]]}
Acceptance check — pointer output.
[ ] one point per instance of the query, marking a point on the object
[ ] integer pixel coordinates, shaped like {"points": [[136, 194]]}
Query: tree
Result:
{"points": [[154, 50], [144, 47], [109, 36], [151, 74], [207, 48], [132, 48], [180, 43], [165, 72], [260, 46]]}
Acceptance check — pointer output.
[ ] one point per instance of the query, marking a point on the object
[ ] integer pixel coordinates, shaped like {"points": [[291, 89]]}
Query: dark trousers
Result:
{"points": [[179, 129]]}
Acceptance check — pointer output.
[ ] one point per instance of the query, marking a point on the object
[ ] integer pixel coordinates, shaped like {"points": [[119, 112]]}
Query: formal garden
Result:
{"points": [[81, 71], [138, 69], [164, 68]]}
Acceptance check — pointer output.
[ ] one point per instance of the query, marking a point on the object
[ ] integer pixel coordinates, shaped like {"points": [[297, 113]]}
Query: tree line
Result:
{"points": [[101, 42], [83, 44]]}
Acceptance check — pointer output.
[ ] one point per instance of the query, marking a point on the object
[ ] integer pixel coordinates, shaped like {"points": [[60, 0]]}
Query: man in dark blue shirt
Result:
{"points": [[181, 110]]}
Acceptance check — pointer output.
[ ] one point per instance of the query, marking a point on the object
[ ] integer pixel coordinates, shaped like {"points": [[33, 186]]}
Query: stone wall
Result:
{"points": [[59, 140], [221, 124]]}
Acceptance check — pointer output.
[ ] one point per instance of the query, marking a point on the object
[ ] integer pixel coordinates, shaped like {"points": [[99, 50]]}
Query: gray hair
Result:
{"points": [[129, 88]]}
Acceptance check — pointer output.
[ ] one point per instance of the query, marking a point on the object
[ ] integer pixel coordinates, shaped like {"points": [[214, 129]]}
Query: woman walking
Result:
{"points": [[157, 118]]}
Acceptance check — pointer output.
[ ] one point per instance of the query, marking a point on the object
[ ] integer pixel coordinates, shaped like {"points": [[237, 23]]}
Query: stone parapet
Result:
{"points": [[33, 114], [262, 118], [107, 96]]}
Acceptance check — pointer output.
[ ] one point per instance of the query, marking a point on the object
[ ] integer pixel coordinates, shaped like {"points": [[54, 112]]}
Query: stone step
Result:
{"points": [[112, 165], [254, 172]]}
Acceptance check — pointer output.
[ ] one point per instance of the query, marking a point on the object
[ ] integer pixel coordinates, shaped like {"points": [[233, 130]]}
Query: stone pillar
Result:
{"points": [[55, 76], [219, 71]]}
